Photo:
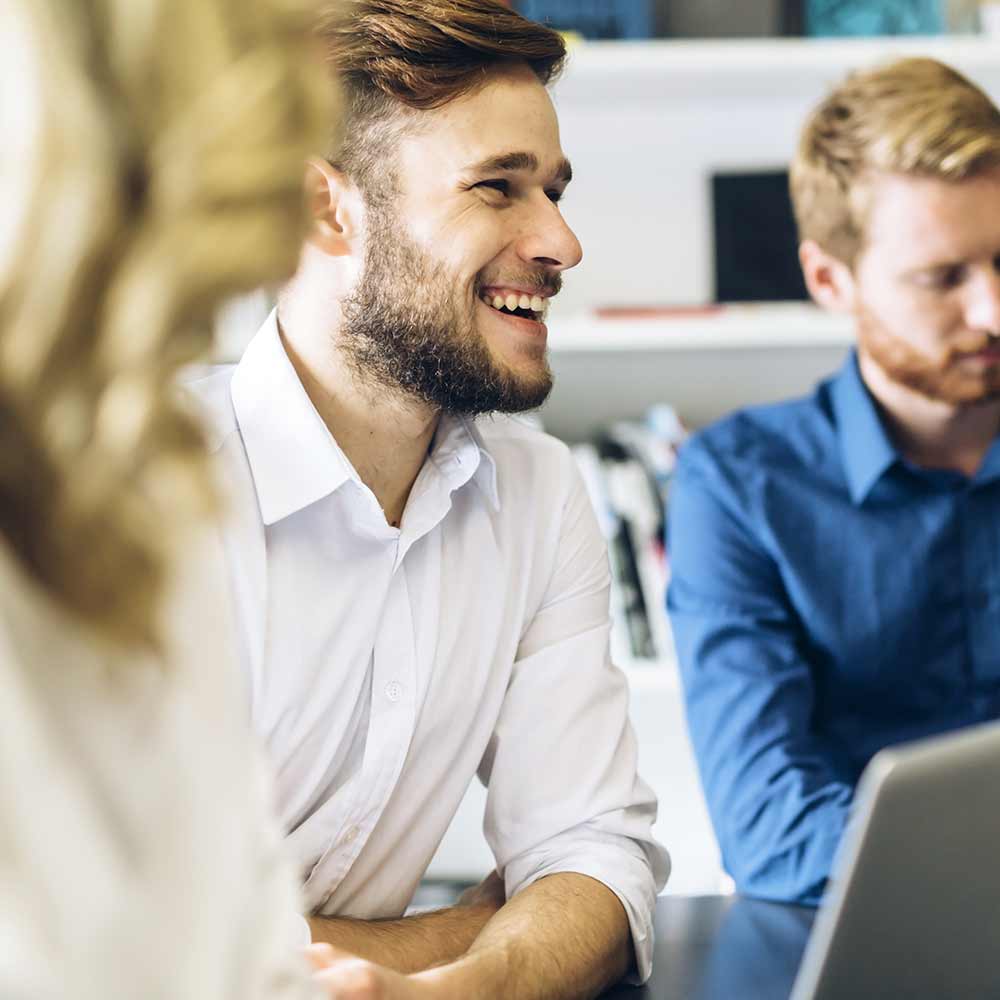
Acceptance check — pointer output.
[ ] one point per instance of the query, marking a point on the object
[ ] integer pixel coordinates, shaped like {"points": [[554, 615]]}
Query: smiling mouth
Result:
{"points": [[533, 307], [991, 348]]}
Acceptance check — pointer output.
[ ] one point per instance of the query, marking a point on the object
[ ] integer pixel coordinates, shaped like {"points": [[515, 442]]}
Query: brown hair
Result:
{"points": [[394, 55], [158, 170], [912, 116]]}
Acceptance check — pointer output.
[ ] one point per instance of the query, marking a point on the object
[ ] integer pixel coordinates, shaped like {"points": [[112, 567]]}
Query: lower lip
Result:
{"points": [[534, 327], [990, 356]]}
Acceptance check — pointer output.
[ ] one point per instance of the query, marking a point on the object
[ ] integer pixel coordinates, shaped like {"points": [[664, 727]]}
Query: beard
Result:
{"points": [[404, 330], [947, 376]]}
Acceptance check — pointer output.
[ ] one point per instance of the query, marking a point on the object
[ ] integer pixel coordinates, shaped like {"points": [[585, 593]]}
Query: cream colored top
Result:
{"points": [[136, 857]]}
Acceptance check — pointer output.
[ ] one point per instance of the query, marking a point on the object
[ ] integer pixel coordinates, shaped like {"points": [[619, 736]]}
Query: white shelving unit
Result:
{"points": [[709, 328], [703, 364], [647, 124]]}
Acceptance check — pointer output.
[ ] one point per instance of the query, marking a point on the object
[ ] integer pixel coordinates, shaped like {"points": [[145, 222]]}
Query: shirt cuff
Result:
{"points": [[628, 875]]}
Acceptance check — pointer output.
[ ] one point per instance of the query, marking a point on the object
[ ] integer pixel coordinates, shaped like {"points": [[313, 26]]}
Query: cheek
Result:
{"points": [[473, 241], [934, 323], [922, 319]]}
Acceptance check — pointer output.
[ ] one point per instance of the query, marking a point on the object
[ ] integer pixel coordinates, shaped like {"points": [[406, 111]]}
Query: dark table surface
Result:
{"points": [[723, 948]]}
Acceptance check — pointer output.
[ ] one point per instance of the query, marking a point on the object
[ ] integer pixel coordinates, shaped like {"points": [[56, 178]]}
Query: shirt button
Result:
{"points": [[394, 690], [349, 835]]}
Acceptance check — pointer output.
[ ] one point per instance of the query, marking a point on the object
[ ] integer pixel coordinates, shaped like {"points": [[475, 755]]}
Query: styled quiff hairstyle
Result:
{"points": [[152, 166], [396, 57], [912, 116]]}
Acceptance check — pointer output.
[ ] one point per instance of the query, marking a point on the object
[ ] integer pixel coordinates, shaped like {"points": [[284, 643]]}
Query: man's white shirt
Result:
{"points": [[387, 666]]}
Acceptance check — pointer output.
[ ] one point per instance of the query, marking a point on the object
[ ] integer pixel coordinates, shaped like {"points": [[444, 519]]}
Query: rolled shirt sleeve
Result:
{"points": [[564, 794], [779, 793]]}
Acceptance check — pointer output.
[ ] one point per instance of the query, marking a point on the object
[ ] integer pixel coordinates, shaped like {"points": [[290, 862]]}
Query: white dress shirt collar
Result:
{"points": [[277, 420]]}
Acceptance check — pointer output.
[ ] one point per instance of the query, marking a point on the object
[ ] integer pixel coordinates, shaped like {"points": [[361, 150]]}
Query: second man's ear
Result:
{"points": [[829, 280], [335, 208]]}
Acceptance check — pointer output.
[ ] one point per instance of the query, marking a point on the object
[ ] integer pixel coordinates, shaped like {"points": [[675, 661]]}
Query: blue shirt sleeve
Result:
{"points": [[777, 794]]}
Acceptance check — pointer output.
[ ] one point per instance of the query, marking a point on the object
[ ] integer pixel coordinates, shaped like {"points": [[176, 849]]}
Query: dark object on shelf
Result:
{"points": [[793, 21], [607, 19], [756, 241], [888, 17], [723, 18]]}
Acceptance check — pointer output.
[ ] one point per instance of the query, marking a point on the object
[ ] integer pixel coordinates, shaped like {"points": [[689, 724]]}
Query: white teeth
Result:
{"points": [[516, 300]]}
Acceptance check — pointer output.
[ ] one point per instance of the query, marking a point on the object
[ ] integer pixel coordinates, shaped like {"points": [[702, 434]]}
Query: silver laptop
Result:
{"points": [[913, 911]]}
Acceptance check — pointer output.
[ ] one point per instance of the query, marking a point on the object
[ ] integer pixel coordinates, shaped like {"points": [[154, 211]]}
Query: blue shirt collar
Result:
{"points": [[865, 447], [990, 467]]}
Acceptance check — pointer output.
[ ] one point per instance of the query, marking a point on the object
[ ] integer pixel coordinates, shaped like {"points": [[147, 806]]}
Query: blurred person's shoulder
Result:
{"points": [[794, 433]]}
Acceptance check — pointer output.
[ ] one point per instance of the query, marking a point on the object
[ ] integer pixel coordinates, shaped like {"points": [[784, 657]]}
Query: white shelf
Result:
{"points": [[724, 328], [701, 68], [684, 56]]}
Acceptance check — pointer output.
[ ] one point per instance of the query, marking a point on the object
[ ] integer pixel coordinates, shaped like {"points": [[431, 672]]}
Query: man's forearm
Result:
{"points": [[565, 936], [409, 944]]}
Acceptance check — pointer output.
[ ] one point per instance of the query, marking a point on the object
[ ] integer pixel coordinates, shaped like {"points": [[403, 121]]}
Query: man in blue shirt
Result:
{"points": [[836, 559]]}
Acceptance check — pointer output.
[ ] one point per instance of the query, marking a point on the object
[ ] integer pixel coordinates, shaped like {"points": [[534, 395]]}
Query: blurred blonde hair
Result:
{"points": [[912, 116], [153, 158]]}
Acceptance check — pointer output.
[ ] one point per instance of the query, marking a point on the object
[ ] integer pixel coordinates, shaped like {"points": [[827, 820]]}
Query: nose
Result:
{"points": [[983, 307], [547, 238]]}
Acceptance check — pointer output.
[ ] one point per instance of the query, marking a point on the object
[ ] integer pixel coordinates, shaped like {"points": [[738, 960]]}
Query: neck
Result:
{"points": [[928, 432], [385, 435]]}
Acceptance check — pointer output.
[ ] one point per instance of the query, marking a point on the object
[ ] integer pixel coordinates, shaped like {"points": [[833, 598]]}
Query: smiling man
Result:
{"points": [[420, 584], [836, 559]]}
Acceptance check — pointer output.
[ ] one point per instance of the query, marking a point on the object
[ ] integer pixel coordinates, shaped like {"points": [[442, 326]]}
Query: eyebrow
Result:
{"points": [[522, 161]]}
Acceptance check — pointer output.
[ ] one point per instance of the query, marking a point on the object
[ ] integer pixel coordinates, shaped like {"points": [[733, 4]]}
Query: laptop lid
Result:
{"points": [[913, 909]]}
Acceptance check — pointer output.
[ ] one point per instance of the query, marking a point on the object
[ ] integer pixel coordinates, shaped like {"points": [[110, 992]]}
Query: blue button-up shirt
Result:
{"points": [[827, 598]]}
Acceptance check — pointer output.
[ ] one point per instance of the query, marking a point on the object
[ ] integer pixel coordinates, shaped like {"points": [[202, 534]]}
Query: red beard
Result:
{"points": [[948, 376]]}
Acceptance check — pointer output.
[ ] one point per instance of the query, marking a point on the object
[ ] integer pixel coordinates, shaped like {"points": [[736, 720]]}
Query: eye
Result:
{"points": [[497, 184], [941, 278]]}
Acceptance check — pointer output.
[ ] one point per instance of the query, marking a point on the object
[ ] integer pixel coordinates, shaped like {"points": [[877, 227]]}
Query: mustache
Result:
{"points": [[974, 344], [546, 283]]}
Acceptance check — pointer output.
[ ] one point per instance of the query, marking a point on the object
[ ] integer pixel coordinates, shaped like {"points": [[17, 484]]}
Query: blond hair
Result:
{"points": [[912, 116], [159, 150]]}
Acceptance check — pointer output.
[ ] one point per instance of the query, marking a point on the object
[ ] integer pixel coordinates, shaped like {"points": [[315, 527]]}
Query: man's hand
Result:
{"points": [[347, 977]]}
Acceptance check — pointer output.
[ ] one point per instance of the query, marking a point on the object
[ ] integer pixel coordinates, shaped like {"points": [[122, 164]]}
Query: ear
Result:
{"points": [[829, 280], [335, 207]]}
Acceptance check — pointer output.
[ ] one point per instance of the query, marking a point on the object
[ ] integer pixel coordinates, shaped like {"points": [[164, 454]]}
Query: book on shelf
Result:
{"points": [[627, 469]]}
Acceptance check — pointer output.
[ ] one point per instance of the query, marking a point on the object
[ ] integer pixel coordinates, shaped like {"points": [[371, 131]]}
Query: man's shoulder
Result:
{"points": [[518, 435], [794, 433], [528, 461], [209, 386]]}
